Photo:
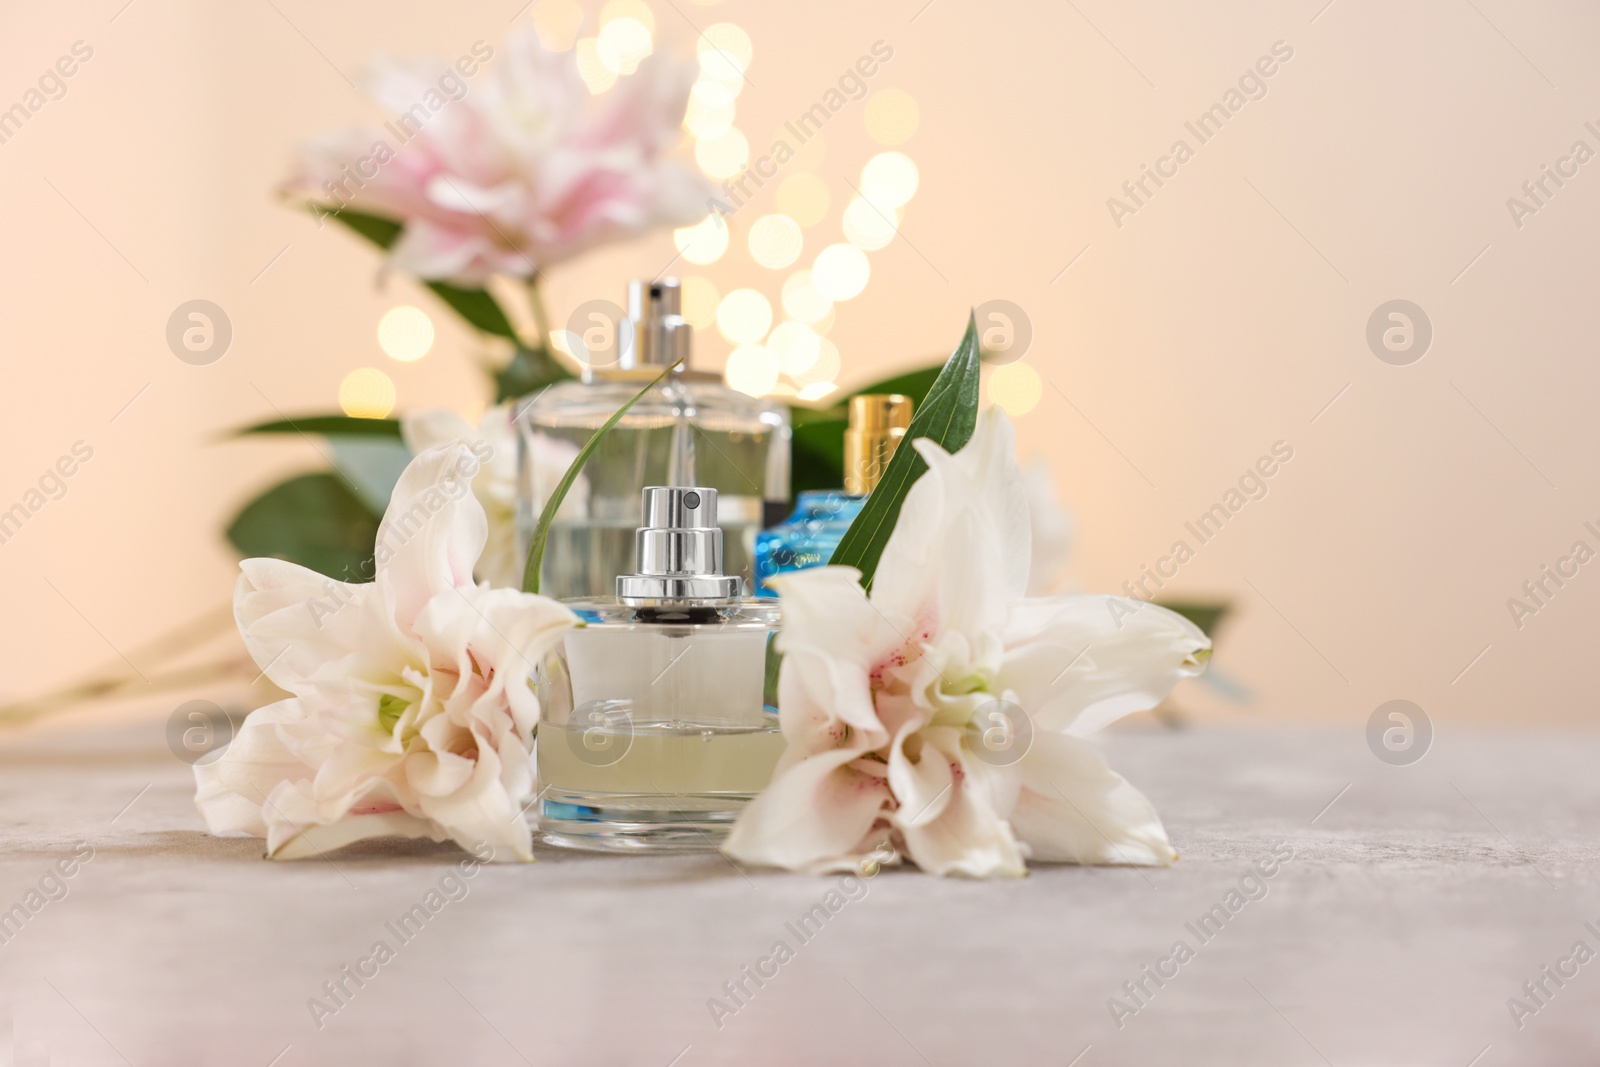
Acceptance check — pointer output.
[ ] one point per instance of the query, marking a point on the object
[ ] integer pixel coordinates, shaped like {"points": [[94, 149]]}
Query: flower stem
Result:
{"points": [[541, 317]]}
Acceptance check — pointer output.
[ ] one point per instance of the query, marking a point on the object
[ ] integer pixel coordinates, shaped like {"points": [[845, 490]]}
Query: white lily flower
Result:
{"points": [[412, 714], [944, 714]]}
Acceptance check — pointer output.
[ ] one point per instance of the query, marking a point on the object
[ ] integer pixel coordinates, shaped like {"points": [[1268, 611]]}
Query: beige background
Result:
{"points": [[1223, 317]]}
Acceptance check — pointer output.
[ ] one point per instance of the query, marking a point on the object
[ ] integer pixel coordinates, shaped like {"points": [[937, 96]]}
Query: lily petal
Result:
{"points": [[1077, 663], [960, 549], [482, 812], [433, 530], [817, 815], [969, 837], [319, 840], [831, 636], [924, 778], [1075, 809], [232, 788], [296, 622]]}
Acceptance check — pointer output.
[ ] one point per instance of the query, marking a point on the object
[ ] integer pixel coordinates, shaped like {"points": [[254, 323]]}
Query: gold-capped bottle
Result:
{"points": [[878, 423]]}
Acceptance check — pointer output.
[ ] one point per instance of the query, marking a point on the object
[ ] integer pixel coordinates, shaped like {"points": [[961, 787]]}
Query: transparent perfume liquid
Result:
{"points": [[666, 759], [683, 432], [656, 728]]}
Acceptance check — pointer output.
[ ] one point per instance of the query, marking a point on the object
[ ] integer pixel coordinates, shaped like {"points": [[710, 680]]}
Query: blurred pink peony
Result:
{"points": [[513, 171]]}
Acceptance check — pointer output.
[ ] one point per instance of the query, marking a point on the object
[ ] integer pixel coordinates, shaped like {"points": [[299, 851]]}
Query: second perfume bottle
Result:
{"points": [[689, 430]]}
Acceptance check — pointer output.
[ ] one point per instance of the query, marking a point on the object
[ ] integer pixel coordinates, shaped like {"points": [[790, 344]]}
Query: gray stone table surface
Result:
{"points": [[1417, 903]]}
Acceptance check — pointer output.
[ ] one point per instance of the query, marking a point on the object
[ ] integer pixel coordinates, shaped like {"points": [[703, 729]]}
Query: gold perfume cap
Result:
{"points": [[877, 425]]}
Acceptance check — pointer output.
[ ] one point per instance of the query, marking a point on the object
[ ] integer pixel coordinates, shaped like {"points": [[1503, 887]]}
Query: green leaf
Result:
{"points": [[541, 530], [375, 228], [313, 520], [474, 305], [774, 668], [816, 454], [530, 370], [947, 417], [328, 426], [477, 307]]}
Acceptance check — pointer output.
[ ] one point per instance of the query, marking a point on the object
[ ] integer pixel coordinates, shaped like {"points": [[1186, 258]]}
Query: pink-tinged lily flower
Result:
{"points": [[512, 170], [944, 714], [412, 714]]}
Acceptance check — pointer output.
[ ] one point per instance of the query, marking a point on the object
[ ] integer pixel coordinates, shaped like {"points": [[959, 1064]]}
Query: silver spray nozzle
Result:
{"points": [[659, 335], [679, 552]]}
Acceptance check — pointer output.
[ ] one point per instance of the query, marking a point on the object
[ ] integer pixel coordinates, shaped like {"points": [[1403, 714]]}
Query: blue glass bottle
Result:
{"points": [[821, 516], [808, 537]]}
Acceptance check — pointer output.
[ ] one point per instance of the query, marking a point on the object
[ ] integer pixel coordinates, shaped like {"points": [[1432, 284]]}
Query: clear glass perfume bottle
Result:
{"points": [[689, 430], [656, 724], [808, 537]]}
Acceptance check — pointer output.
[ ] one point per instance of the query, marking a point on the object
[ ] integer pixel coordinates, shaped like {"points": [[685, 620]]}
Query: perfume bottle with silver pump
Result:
{"points": [[656, 724], [807, 538], [689, 430]]}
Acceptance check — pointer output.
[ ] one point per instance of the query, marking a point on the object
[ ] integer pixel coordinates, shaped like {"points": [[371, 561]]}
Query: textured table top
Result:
{"points": [[1417, 903]]}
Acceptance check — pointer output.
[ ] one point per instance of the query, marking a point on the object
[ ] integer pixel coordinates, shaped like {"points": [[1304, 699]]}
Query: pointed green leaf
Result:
{"points": [[541, 530], [327, 426], [947, 418]]}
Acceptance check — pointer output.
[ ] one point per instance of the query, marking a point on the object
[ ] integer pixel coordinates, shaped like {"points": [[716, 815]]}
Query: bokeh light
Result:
{"points": [[775, 241], [625, 41], [891, 116], [802, 301], [804, 198], [725, 52], [817, 391], [597, 64], [796, 347], [1015, 387], [700, 299], [405, 333], [869, 226], [637, 10], [722, 156], [366, 393], [557, 23], [840, 272], [711, 110], [704, 242], [825, 369], [744, 317], [889, 179], [751, 369]]}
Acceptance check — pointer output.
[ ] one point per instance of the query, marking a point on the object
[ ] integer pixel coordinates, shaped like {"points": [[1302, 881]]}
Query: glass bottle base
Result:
{"points": [[637, 822]]}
